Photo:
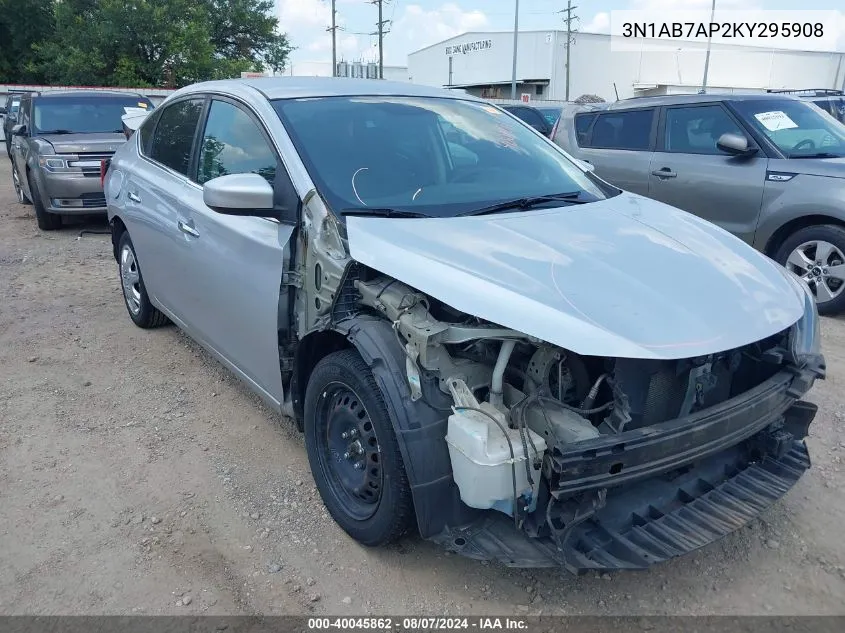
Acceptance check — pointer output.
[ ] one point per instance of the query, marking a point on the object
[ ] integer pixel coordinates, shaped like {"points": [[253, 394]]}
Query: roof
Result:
{"points": [[309, 87], [88, 93], [643, 102]]}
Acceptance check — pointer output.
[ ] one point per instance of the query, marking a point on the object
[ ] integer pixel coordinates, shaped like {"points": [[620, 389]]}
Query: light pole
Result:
{"points": [[707, 56], [515, 39]]}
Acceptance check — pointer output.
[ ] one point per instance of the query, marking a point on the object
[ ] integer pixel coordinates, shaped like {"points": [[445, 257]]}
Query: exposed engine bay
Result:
{"points": [[522, 408]]}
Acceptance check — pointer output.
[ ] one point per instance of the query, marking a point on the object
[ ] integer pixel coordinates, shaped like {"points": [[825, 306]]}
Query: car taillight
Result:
{"points": [[104, 167]]}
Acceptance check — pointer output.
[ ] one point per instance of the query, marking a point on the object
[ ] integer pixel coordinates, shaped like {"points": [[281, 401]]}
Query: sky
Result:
{"points": [[415, 24]]}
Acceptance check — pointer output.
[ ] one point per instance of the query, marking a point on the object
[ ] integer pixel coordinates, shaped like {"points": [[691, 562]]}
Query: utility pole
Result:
{"points": [[333, 29], [515, 41], [381, 33], [570, 32], [707, 57]]}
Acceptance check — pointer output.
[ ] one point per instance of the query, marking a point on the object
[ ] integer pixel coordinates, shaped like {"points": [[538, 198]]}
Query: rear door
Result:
{"points": [[689, 172], [619, 144], [233, 268], [155, 190]]}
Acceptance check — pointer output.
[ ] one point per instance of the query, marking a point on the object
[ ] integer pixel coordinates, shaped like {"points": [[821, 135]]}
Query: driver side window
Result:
{"points": [[232, 143], [695, 130]]}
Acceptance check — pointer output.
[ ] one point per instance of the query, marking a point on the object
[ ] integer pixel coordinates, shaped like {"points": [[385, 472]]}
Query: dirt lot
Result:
{"points": [[138, 476]]}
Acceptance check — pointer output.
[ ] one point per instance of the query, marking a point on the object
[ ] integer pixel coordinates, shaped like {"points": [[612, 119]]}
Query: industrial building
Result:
{"points": [[481, 64]]}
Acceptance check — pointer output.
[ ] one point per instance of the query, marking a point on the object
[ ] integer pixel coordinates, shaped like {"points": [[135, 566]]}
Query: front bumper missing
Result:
{"points": [[706, 505]]}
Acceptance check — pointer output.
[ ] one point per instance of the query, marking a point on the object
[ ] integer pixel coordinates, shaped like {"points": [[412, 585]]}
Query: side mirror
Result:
{"points": [[2, 109], [19, 130], [240, 194], [735, 144]]}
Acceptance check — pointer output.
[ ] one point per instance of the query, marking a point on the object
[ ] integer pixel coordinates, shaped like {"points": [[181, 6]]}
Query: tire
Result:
{"points": [[16, 182], [46, 221], [817, 254], [142, 312], [343, 395]]}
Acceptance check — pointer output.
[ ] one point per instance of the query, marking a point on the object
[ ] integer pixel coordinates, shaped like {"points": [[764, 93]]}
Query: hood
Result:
{"points": [[626, 277], [85, 143], [829, 167]]}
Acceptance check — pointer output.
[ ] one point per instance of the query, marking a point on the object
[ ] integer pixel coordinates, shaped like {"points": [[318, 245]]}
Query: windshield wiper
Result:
{"points": [[383, 212], [527, 202], [818, 155], [56, 132]]}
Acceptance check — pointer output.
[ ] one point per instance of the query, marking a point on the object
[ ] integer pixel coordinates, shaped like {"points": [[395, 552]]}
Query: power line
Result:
{"points": [[381, 33], [333, 28], [570, 37]]}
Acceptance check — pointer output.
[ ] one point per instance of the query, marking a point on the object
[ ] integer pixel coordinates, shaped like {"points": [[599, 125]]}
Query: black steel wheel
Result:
{"points": [[353, 452]]}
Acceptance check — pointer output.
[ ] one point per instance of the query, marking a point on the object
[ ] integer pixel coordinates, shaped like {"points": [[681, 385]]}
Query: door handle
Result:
{"points": [[664, 173], [134, 197], [185, 228]]}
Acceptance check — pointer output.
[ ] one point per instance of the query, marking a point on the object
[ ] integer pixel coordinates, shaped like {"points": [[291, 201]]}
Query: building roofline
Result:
{"points": [[609, 35]]}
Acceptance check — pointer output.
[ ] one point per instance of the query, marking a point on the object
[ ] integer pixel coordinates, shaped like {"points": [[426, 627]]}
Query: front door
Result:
{"points": [[689, 172], [234, 264]]}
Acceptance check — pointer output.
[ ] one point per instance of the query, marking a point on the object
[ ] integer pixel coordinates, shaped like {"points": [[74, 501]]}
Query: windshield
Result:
{"points": [[83, 114], [431, 156], [798, 128]]}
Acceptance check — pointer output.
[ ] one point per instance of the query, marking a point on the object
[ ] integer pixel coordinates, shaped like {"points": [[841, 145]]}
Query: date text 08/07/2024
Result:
{"points": [[417, 623]]}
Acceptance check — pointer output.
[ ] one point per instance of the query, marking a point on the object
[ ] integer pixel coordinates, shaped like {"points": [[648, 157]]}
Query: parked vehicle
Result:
{"points": [[529, 364], [58, 142], [9, 112], [552, 113], [831, 101], [769, 168], [532, 116]]}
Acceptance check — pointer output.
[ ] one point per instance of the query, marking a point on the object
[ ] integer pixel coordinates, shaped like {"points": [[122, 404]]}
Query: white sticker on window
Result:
{"points": [[776, 120]]}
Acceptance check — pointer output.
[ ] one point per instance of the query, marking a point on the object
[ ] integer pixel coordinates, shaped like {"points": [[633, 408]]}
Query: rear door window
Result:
{"points": [[629, 130], [174, 134], [582, 126]]}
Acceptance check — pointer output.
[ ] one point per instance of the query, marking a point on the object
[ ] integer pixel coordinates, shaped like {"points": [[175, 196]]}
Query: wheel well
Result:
{"points": [[781, 235], [310, 351], [118, 228]]}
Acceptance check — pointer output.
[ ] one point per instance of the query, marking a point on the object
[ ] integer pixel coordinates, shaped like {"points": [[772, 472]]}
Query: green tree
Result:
{"points": [[21, 25], [168, 43]]}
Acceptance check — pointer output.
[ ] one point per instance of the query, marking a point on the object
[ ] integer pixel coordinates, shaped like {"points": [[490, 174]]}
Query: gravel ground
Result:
{"points": [[138, 476]]}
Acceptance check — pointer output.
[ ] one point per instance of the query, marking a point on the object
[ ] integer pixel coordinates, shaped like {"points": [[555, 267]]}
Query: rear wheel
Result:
{"points": [[817, 255], [142, 312], [46, 221], [353, 451]]}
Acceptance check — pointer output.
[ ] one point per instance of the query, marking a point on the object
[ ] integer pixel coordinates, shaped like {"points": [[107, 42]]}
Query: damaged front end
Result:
{"points": [[586, 462]]}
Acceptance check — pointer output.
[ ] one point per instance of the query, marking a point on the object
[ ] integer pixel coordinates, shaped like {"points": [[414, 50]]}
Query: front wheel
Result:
{"points": [[16, 181], [817, 255], [46, 221], [353, 451]]}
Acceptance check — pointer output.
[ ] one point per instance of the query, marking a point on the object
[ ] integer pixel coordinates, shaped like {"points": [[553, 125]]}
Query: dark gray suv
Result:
{"points": [[58, 143], [769, 168]]}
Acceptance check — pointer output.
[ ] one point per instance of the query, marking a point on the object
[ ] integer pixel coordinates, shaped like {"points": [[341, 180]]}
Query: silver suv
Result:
{"points": [[769, 168], [477, 337], [57, 144]]}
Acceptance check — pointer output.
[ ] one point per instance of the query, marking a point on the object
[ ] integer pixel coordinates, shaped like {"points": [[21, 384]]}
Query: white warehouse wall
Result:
{"points": [[542, 55], [430, 66]]}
